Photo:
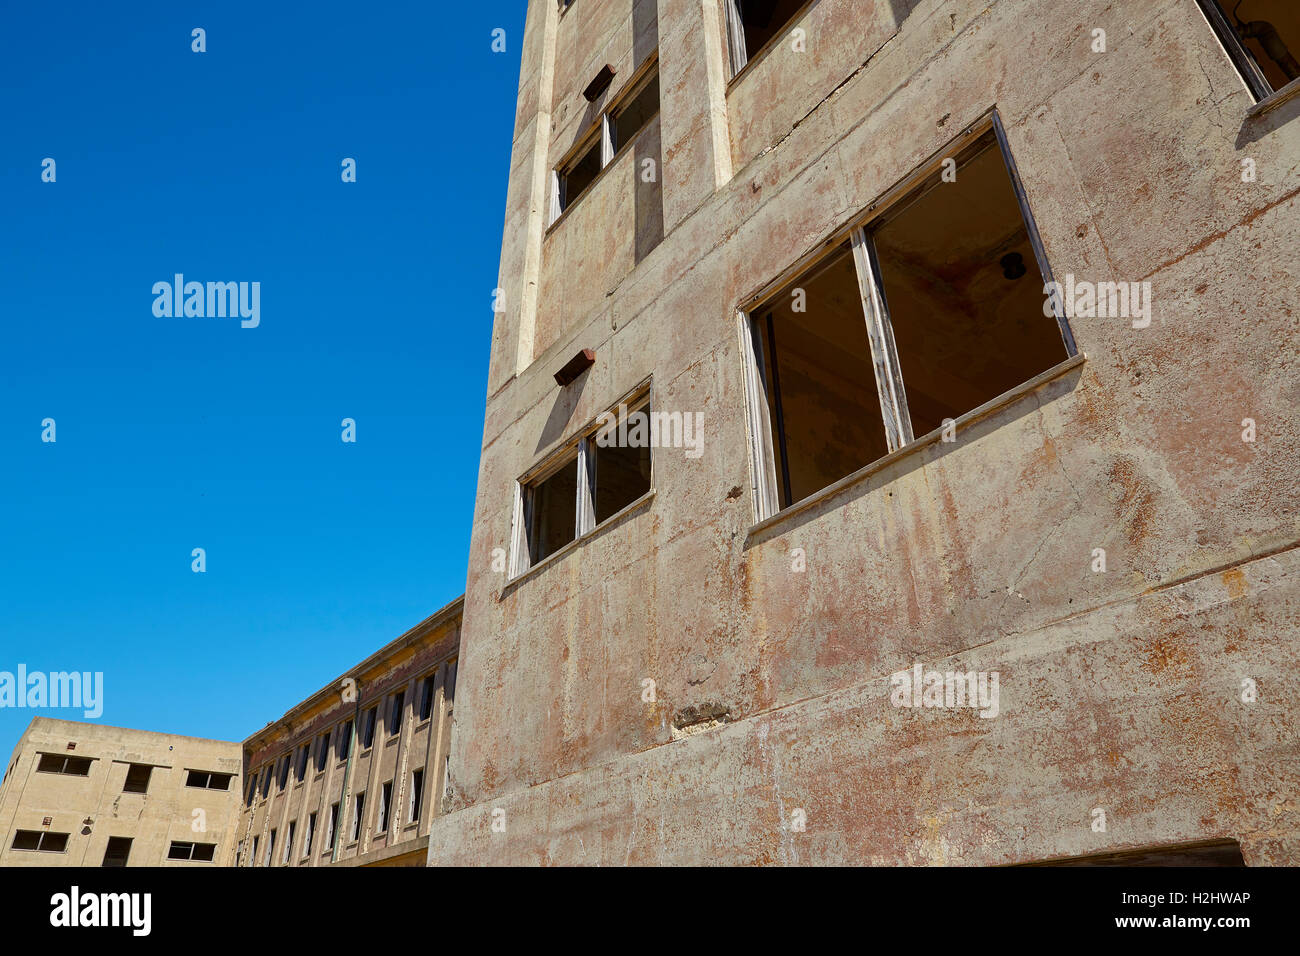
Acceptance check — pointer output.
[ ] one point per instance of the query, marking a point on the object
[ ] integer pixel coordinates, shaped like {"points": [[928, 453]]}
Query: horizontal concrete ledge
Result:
{"points": [[974, 415], [386, 853]]}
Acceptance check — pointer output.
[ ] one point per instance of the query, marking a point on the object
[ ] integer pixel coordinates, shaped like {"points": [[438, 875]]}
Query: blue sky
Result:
{"points": [[181, 433]]}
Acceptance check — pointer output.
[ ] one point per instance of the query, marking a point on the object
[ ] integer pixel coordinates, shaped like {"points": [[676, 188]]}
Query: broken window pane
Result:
{"points": [[426, 697], [580, 174], [553, 512], [761, 21], [395, 715], [1269, 33], [368, 727], [417, 794], [623, 462], [819, 378], [636, 115], [137, 778], [117, 851], [963, 291]]}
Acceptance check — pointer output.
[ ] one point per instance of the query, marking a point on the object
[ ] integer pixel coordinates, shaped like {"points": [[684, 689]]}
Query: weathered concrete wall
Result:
{"points": [[152, 820], [1120, 690]]}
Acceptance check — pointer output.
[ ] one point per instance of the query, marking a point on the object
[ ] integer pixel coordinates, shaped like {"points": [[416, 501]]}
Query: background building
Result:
{"points": [[78, 794], [825, 232], [354, 774]]}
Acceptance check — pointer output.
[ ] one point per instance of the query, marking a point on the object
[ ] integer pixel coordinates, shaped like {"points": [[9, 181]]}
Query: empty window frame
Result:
{"points": [[300, 771], [40, 840], [308, 834], [137, 779], [417, 795], [753, 24], [270, 849], [368, 727], [117, 851], [322, 751], [252, 790], [635, 108], [266, 780], [449, 689], [385, 807], [196, 852], [252, 859], [345, 740], [331, 826], [426, 695], [288, 841], [59, 763], [282, 772], [1262, 38], [397, 707], [209, 781], [931, 310], [606, 471], [358, 807]]}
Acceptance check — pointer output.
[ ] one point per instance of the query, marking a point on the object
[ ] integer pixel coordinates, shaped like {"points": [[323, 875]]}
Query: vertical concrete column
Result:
{"points": [[693, 105], [527, 200]]}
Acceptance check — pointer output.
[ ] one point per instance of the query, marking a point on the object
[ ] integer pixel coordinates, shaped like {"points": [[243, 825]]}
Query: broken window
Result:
{"points": [[417, 795], [580, 173], [137, 778], [358, 806], [608, 470], [282, 772], [632, 111], [1262, 38], [426, 696], [117, 851], [385, 805], [288, 841], [270, 849], [368, 727], [395, 714], [306, 837], [300, 772], [210, 781], [552, 509], [345, 740], [266, 780], [449, 691], [637, 111], [41, 840], [198, 852], [252, 789], [322, 751], [931, 310], [753, 24], [58, 763], [253, 857], [331, 826]]}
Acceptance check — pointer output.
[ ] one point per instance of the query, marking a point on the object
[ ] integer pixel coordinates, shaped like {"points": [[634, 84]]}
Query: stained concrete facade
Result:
{"points": [[1146, 705], [305, 770], [180, 812]]}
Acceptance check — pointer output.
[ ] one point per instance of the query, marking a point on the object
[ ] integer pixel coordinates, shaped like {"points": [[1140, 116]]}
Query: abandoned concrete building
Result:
{"points": [[889, 458], [354, 774], [78, 794], [984, 315]]}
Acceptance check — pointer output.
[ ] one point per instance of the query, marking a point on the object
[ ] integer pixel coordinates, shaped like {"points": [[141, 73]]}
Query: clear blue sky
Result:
{"points": [[178, 433]]}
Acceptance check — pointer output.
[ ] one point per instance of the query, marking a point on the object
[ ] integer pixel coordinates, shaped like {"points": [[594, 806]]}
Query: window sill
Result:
{"points": [[555, 556], [1275, 99], [962, 421]]}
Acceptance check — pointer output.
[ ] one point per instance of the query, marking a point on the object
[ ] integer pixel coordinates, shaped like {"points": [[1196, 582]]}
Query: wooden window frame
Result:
{"points": [[579, 452], [601, 129], [891, 392]]}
